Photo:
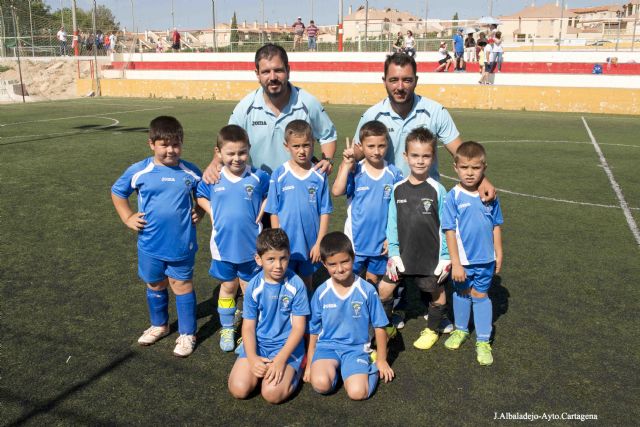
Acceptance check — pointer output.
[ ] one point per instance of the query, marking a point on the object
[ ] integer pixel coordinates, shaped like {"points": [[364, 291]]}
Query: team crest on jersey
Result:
{"points": [[188, 182], [426, 206], [387, 191], [248, 188], [357, 307], [285, 301], [312, 193]]}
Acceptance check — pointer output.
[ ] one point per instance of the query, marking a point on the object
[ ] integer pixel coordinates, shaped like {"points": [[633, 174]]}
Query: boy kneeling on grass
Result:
{"points": [[342, 310], [274, 319]]}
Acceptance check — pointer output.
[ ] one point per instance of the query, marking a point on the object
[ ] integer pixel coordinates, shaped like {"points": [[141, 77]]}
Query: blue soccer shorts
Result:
{"points": [[372, 264], [154, 270], [350, 361], [228, 271], [303, 268], [479, 276], [271, 351]]}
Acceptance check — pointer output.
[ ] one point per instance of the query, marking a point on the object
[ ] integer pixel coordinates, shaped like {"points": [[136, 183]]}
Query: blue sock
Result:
{"points": [[158, 303], [373, 382], [482, 316], [186, 308], [462, 311], [226, 316]]}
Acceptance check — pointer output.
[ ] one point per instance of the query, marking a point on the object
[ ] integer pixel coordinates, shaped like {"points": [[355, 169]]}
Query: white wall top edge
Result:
{"points": [[471, 78]]}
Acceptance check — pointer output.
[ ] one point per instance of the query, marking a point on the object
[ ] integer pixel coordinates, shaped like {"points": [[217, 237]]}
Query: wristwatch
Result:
{"points": [[328, 159]]}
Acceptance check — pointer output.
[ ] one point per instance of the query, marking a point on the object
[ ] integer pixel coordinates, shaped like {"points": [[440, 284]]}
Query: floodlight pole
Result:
{"points": [[17, 49], [366, 26], [635, 24], [95, 54], [619, 15], [173, 20], [213, 21], [4, 40], [33, 52], [61, 13], [75, 44], [561, 19]]}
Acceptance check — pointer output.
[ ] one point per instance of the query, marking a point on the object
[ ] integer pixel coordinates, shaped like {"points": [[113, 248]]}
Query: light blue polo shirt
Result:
{"points": [[425, 113], [266, 131]]}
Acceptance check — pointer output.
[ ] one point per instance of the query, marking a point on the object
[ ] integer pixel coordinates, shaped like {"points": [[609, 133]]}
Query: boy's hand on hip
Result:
{"points": [[136, 221]]}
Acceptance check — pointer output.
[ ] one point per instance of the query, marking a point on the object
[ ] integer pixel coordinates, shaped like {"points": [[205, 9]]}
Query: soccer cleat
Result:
{"points": [[427, 339], [446, 327], [227, 339], [184, 345], [239, 346], [456, 339], [391, 331], [483, 351], [397, 319], [153, 335]]}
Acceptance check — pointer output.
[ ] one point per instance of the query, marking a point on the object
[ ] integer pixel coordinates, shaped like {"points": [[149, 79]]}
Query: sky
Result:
{"points": [[194, 14]]}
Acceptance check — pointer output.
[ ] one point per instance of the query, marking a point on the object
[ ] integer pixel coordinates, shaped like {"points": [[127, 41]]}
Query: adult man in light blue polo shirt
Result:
{"points": [[265, 112], [403, 110]]}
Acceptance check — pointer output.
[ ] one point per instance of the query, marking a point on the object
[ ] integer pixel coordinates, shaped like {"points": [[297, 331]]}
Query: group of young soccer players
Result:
{"points": [[398, 229]]}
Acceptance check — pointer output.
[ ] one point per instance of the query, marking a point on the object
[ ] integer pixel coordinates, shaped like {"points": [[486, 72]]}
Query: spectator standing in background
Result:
{"points": [[410, 44], [175, 39], [458, 48], [470, 49], [113, 39], [61, 35], [298, 32], [398, 46], [312, 35], [498, 51]]}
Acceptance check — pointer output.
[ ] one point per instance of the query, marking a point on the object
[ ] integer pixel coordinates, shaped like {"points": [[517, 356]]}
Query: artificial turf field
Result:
{"points": [[565, 305]]}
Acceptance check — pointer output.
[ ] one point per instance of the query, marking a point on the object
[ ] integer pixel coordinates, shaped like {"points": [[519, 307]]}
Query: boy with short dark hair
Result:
{"points": [[165, 223], [417, 246], [475, 241], [299, 201], [342, 310], [368, 185], [235, 204], [275, 314]]}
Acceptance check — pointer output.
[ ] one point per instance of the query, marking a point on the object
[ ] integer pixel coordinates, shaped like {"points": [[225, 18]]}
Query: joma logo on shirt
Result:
{"points": [[329, 306], [288, 187], [259, 123], [164, 179]]}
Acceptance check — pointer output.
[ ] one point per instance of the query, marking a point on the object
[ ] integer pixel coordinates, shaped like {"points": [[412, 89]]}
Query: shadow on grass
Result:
{"points": [[51, 404]]}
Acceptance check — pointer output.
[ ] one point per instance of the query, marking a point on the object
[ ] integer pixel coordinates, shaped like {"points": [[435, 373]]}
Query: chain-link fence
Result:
{"points": [[25, 26]]}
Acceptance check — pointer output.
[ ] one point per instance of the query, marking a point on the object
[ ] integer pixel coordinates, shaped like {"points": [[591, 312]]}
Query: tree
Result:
{"points": [[105, 20], [235, 38], [454, 24]]}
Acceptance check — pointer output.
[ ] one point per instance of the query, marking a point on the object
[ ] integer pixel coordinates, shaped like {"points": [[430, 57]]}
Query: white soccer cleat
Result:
{"points": [[184, 345], [153, 335]]}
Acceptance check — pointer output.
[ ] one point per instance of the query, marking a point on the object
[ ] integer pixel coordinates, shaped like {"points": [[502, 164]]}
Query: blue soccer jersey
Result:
{"points": [[473, 222], [266, 130], [367, 207], [272, 305], [299, 201], [235, 205], [425, 113], [343, 321], [165, 195]]}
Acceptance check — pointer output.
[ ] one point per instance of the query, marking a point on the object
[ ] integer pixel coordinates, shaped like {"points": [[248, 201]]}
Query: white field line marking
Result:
{"points": [[614, 185], [558, 142], [80, 117], [551, 199], [116, 122]]}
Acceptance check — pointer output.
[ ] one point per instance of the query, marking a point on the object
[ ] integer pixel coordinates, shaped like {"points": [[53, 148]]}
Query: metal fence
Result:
{"points": [[37, 37]]}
